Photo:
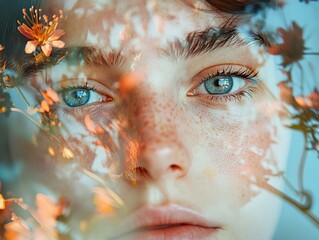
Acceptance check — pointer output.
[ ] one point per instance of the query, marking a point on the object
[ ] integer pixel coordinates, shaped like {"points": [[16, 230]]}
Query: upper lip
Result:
{"points": [[147, 218]]}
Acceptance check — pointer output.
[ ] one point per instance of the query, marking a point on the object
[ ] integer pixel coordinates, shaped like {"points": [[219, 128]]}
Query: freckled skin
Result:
{"points": [[199, 155]]}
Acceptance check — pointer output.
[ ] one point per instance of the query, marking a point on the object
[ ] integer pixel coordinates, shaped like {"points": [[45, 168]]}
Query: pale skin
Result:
{"points": [[188, 148]]}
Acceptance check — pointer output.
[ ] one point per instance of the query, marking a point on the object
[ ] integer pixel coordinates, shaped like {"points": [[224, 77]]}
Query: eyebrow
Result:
{"points": [[213, 38], [87, 55]]}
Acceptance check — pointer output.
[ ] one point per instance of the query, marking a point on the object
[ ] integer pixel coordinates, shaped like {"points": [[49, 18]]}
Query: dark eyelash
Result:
{"points": [[250, 74], [79, 85]]}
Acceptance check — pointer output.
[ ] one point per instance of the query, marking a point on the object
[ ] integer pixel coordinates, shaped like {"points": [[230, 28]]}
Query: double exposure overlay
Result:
{"points": [[149, 119]]}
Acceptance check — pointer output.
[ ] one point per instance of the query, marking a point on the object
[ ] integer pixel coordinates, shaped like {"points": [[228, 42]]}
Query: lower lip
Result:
{"points": [[181, 232]]}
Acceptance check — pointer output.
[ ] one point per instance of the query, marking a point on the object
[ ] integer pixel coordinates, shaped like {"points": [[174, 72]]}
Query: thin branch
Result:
{"points": [[302, 166], [302, 79], [303, 208], [290, 185], [115, 197], [36, 123], [311, 53], [29, 117], [23, 97]]}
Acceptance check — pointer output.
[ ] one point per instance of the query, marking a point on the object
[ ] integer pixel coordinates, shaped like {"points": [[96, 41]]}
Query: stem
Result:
{"points": [[302, 79], [28, 116], [293, 202], [23, 97], [311, 53], [115, 197], [302, 166], [35, 122], [290, 185]]}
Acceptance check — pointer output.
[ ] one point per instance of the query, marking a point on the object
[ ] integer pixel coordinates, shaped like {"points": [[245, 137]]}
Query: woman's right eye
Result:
{"points": [[80, 96]]}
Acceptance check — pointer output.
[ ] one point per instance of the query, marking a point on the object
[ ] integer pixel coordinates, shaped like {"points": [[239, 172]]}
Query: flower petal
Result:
{"points": [[52, 95], [47, 49], [31, 46], [2, 203], [56, 34], [26, 31], [58, 44]]}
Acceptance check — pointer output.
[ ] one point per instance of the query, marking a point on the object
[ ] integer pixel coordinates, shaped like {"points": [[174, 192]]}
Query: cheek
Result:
{"points": [[236, 148]]}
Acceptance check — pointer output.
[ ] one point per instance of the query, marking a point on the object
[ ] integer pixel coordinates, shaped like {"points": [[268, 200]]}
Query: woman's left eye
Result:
{"points": [[76, 97], [220, 85]]}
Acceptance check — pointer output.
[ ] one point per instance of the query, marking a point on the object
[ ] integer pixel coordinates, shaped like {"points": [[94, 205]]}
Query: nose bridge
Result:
{"points": [[161, 152], [154, 115]]}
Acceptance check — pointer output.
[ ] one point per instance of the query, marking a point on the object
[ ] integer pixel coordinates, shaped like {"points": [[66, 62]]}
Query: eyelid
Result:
{"points": [[228, 69], [90, 84]]}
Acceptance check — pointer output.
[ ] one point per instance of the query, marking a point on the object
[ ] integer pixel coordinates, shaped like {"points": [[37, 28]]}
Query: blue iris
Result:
{"points": [[76, 97], [219, 84]]}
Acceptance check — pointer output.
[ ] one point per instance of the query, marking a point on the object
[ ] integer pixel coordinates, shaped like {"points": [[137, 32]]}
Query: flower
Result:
{"points": [[45, 224], [50, 97], [293, 46], [1, 47], [17, 229], [41, 31], [2, 202]]}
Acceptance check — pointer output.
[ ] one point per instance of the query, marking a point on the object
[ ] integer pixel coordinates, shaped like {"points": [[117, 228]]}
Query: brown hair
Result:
{"points": [[241, 6]]}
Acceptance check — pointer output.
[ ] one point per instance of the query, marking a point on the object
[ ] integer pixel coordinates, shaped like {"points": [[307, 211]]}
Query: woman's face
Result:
{"points": [[170, 106]]}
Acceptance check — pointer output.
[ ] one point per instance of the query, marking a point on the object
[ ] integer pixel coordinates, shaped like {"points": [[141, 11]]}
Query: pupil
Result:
{"points": [[219, 85], [76, 97]]}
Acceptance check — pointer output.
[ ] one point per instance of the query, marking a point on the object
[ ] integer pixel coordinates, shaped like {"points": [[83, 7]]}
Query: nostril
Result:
{"points": [[175, 167]]}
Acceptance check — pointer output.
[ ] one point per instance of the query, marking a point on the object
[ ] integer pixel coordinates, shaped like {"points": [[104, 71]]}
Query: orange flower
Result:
{"points": [[45, 224], [1, 47], [50, 97], [2, 202], [17, 229], [41, 31]]}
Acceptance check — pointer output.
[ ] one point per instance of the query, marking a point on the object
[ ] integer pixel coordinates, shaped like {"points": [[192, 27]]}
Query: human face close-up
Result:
{"points": [[169, 103]]}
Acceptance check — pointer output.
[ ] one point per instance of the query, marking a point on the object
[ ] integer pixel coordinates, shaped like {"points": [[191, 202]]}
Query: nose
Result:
{"points": [[163, 160], [161, 153]]}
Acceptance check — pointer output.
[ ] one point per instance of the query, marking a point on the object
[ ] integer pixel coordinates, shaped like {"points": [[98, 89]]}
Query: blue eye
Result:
{"points": [[76, 97], [219, 84]]}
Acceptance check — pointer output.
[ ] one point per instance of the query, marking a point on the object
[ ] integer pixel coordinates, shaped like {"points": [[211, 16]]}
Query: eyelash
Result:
{"points": [[76, 86], [246, 74]]}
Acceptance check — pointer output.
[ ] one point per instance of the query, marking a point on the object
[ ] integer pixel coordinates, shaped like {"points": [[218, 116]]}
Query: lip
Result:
{"points": [[164, 223]]}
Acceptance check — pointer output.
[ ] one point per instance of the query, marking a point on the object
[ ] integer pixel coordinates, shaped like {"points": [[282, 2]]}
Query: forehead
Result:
{"points": [[133, 24]]}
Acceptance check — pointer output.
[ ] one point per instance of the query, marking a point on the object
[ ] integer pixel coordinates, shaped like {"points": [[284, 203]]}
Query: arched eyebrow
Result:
{"points": [[82, 55], [211, 39]]}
